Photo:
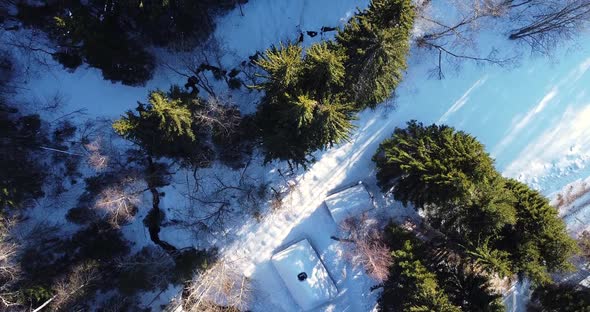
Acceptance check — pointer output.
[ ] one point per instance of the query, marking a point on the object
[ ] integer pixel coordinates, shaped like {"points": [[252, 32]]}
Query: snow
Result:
{"points": [[533, 119], [268, 22], [160, 298], [298, 258], [573, 202], [516, 299], [491, 103], [579, 221], [349, 202]]}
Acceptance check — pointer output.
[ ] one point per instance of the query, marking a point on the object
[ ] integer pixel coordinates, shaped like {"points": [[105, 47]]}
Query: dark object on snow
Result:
{"points": [[327, 29], [234, 72], [234, 83], [218, 73], [255, 57], [300, 40], [205, 66], [312, 33], [191, 82], [11, 28], [69, 59], [302, 276]]}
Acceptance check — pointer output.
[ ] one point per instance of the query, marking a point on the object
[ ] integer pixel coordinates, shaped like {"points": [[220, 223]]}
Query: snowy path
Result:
{"points": [[337, 167], [514, 122]]}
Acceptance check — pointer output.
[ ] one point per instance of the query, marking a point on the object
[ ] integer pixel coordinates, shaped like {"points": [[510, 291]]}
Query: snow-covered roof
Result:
{"points": [[349, 202], [318, 288]]}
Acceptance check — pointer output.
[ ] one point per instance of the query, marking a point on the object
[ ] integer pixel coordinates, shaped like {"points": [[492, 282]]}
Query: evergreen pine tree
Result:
{"points": [[491, 207], [561, 298], [480, 214], [165, 127], [490, 260], [539, 242], [431, 165], [101, 43], [323, 69], [449, 175], [283, 122], [162, 116], [333, 122], [300, 112], [376, 42], [417, 282], [113, 35], [411, 287], [22, 175], [361, 68], [283, 66], [469, 289]]}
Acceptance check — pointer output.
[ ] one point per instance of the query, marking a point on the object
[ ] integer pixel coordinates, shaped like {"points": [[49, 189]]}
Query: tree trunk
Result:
{"points": [[155, 213]]}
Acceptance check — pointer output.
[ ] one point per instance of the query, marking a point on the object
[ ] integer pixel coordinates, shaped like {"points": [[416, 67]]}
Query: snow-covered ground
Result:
{"points": [[305, 275], [534, 120]]}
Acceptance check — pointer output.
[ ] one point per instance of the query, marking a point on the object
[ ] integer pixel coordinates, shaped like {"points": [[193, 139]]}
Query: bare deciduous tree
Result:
{"points": [[367, 248], [31, 45], [7, 73], [219, 115], [155, 262], [543, 24], [454, 39], [103, 146], [119, 303], [9, 269], [96, 158], [280, 192], [72, 286], [196, 65], [226, 198], [220, 288], [570, 195], [119, 202], [584, 244], [454, 35]]}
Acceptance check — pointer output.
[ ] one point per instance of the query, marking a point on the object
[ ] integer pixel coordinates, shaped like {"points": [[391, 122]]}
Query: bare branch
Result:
{"points": [[219, 116], [220, 288], [71, 287], [543, 24], [366, 247], [9, 268], [119, 202], [96, 158]]}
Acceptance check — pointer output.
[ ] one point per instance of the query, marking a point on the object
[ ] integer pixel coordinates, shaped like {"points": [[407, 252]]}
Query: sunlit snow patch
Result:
{"points": [[349, 202]]}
